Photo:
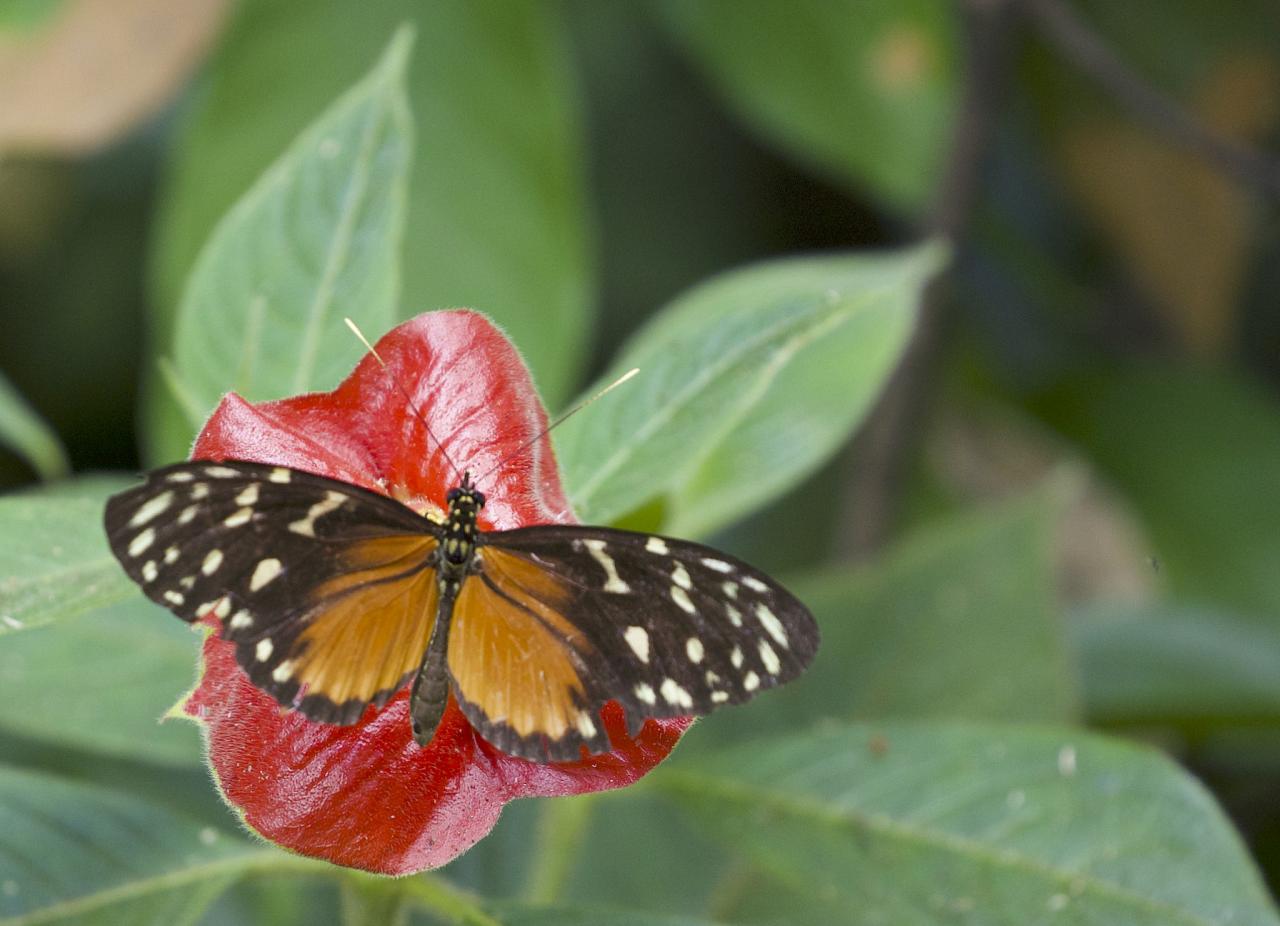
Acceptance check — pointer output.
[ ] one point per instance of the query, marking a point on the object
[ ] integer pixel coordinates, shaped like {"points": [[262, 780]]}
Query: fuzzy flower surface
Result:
{"points": [[367, 796]]}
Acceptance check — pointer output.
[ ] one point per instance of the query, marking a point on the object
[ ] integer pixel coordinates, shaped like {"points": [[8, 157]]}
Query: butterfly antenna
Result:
{"points": [[561, 420], [413, 406]]}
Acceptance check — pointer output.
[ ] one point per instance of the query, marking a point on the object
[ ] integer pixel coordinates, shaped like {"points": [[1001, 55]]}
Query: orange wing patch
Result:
{"points": [[517, 662], [372, 628]]}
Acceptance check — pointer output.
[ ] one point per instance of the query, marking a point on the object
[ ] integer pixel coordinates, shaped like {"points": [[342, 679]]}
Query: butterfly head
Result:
{"points": [[465, 494], [465, 502]]}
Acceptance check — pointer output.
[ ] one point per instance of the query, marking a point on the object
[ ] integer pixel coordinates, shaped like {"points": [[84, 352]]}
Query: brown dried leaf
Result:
{"points": [[1181, 225], [98, 69]]}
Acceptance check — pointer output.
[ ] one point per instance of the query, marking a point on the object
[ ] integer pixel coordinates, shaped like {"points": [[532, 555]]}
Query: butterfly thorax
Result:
{"points": [[459, 542]]}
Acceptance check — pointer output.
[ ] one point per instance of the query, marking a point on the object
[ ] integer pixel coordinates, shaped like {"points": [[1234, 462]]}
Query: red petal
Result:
{"points": [[367, 796], [465, 379]]}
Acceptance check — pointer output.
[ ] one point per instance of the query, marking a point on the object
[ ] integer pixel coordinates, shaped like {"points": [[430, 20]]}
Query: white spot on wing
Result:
{"points": [[585, 725], [212, 560], [138, 545], [264, 572], [754, 584], [769, 658], [751, 681], [307, 526], [174, 598], [199, 490], [680, 576], [719, 697], [730, 589], [220, 472], [249, 496], [241, 516], [674, 695], [718, 565], [638, 639], [772, 624], [735, 616], [735, 657], [657, 545], [681, 597], [149, 571], [280, 475], [187, 514], [693, 649], [222, 608], [282, 672], [181, 476], [613, 582], [171, 555], [241, 620], [262, 652], [645, 693], [151, 508]]}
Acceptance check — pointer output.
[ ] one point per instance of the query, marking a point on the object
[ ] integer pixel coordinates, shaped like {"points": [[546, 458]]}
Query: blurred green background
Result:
{"points": [[1089, 423]]}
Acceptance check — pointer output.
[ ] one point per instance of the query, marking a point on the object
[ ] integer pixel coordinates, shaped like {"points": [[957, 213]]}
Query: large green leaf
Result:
{"points": [[495, 209], [23, 431], [960, 620], [863, 89], [632, 841], [517, 914], [22, 15], [103, 683], [54, 560], [1196, 454], [747, 384], [1190, 668], [316, 238], [79, 854], [927, 824]]}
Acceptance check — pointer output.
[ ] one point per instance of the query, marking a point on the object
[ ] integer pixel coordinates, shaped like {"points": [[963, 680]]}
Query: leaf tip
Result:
{"points": [[395, 60], [932, 255]]}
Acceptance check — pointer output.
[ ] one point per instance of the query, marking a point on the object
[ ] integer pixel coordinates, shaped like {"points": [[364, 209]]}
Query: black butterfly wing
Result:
{"points": [[562, 619], [327, 589]]}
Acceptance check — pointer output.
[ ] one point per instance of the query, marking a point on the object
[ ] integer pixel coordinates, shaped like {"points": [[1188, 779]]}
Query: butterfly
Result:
{"points": [[336, 597]]}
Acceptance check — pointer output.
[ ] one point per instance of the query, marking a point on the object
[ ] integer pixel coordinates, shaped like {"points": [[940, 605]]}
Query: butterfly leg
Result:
{"points": [[431, 686]]}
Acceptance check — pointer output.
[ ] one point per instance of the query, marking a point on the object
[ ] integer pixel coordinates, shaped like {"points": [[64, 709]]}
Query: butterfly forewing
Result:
{"points": [[666, 627], [326, 588]]}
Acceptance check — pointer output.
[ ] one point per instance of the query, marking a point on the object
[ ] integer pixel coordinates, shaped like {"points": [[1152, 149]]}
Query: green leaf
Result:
{"points": [[495, 208], [316, 238], [925, 824], [54, 559], [863, 90], [1161, 664], [516, 914], [511, 913], [747, 384], [959, 620], [27, 15], [102, 684], [79, 854], [1195, 452], [22, 431], [633, 841]]}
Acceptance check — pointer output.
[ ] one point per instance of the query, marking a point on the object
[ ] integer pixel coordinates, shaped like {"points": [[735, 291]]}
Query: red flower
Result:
{"points": [[368, 796]]}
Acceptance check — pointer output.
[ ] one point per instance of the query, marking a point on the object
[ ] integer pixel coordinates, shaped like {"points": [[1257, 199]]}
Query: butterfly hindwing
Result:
{"points": [[666, 627], [324, 587]]}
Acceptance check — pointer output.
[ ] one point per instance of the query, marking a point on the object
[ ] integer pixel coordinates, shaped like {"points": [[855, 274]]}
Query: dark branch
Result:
{"points": [[870, 505], [1088, 52]]}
